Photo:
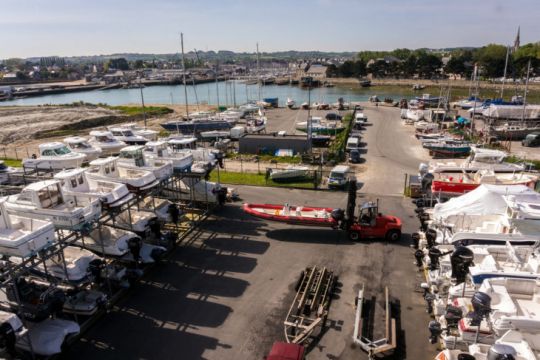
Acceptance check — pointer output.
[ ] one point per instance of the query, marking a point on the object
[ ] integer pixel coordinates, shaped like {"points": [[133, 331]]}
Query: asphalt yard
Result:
{"points": [[225, 292]]}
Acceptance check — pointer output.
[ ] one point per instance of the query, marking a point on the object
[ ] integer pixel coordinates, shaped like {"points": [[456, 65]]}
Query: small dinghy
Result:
{"points": [[290, 103], [291, 173], [296, 215]]}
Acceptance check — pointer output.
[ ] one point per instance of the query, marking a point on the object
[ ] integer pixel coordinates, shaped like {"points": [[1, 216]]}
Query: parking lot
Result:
{"points": [[225, 292]]}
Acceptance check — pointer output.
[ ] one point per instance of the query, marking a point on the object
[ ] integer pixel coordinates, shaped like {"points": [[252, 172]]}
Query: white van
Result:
{"points": [[339, 177], [352, 143], [360, 118]]}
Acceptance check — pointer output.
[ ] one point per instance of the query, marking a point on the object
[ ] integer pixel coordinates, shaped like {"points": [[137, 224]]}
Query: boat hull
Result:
{"points": [[275, 213]]}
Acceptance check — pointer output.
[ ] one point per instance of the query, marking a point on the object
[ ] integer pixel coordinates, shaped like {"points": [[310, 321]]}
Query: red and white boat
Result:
{"points": [[296, 215], [461, 183]]}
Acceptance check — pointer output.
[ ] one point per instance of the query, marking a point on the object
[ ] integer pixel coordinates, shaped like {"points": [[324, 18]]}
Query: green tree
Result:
{"points": [[118, 64], [525, 53], [138, 64], [492, 59], [428, 65]]}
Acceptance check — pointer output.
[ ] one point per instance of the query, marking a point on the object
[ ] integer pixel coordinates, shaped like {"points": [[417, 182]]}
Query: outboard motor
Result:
{"points": [[465, 357], [134, 245], [222, 195], [461, 259], [168, 239], [157, 253], [435, 330], [415, 240], [338, 214], [434, 256], [431, 237], [7, 338], [419, 256], [155, 228], [174, 212], [452, 315], [501, 352], [423, 169], [481, 303], [94, 267], [427, 179]]}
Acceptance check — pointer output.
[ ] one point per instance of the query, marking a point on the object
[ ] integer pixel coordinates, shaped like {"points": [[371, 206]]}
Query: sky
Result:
{"points": [[92, 27]]}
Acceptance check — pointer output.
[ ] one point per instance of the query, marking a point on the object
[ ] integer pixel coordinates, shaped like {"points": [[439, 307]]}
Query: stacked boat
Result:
{"points": [[481, 257]]}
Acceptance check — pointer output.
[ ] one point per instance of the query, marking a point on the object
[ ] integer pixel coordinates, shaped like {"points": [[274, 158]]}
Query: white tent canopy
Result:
{"points": [[485, 200], [512, 112]]}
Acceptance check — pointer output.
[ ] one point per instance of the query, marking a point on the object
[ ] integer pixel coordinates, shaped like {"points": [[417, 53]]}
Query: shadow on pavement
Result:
{"points": [[314, 236]]}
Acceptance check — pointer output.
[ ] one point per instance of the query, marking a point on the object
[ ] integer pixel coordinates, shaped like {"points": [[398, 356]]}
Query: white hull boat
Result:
{"points": [[135, 220], [290, 103], [415, 114], [46, 200], [148, 134], [215, 134], [127, 136], [80, 145], [23, 236], [135, 179], [106, 142], [133, 157], [47, 337], [181, 160], [110, 193], [55, 156], [289, 174]]}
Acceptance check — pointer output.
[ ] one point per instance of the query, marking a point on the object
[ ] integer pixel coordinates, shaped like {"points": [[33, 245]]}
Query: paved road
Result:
{"points": [[391, 151]]}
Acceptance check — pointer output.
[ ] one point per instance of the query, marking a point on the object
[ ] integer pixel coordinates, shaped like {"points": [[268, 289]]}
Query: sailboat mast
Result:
{"points": [[526, 90], [505, 68], [184, 73], [217, 82], [258, 74]]}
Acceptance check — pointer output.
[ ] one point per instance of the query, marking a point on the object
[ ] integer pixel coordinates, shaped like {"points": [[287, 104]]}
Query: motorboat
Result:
{"points": [[215, 134], [76, 182], [148, 134], [291, 173], [290, 103], [106, 142], [415, 114], [6, 172], [446, 149], [79, 144], [200, 154], [201, 114], [137, 180], [138, 221], [46, 200], [470, 102], [448, 184], [76, 260], [54, 156], [256, 125], [192, 189], [195, 126], [133, 157], [181, 160], [498, 306], [426, 127], [46, 338], [320, 127], [418, 87], [109, 241], [478, 159], [127, 135], [158, 206], [249, 108], [509, 131], [513, 344], [296, 215], [23, 236], [428, 99], [305, 106]]}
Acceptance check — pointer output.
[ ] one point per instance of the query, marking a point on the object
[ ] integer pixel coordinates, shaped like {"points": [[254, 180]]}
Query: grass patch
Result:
{"points": [[13, 162], [137, 110], [337, 148], [266, 158], [236, 178], [515, 160]]}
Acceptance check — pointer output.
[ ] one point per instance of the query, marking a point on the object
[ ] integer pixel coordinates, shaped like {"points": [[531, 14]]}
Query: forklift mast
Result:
{"points": [[351, 204]]}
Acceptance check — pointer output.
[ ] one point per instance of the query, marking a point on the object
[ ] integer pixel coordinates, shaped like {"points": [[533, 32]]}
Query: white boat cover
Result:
{"points": [[512, 112], [485, 200]]}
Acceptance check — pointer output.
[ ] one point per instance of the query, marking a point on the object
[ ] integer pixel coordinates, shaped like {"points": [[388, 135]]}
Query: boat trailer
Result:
{"points": [[375, 348], [310, 305]]}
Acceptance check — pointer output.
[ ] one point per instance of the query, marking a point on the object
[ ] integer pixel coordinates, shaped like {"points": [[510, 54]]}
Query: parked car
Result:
{"points": [[532, 139], [339, 177], [354, 156], [333, 116], [352, 143]]}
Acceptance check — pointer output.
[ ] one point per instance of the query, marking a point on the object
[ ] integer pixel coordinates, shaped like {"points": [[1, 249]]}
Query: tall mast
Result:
{"points": [[505, 68], [184, 73], [526, 90], [217, 83], [258, 74], [142, 99]]}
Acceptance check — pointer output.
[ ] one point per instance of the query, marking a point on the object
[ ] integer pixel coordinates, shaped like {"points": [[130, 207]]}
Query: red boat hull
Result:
{"points": [[459, 188], [274, 213]]}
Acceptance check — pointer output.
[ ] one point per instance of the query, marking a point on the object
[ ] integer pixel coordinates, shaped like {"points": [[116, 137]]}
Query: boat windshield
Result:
{"points": [[104, 139], [137, 154], [62, 150], [127, 132], [80, 145]]}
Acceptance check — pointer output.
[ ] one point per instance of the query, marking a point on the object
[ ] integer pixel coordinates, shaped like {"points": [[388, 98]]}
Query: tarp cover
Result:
{"points": [[484, 200], [512, 112]]}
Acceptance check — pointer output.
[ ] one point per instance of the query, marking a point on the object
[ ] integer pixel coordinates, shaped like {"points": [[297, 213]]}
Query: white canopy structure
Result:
{"points": [[488, 200], [532, 112]]}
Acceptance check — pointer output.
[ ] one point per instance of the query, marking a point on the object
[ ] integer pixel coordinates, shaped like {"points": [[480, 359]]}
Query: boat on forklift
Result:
{"points": [[369, 223]]}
